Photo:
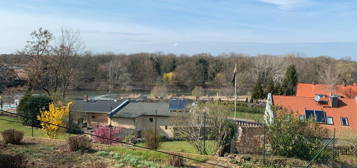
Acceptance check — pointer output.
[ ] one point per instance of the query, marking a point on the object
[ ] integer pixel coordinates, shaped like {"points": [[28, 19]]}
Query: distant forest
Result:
{"points": [[142, 71]]}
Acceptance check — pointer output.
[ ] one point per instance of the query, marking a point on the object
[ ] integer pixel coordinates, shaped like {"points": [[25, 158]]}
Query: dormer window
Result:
{"points": [[344, 121]]}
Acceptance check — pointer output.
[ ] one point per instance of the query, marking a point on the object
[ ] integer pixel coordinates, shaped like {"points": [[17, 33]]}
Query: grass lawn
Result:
{"points": [[14, 123]]}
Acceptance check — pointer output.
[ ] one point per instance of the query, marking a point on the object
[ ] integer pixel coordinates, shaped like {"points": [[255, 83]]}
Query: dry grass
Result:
{"points": [[79, 143], [12, 136]]}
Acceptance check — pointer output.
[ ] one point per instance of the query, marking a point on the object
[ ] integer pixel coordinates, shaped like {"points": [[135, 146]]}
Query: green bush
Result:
{"points": [[291, 137], [30, 107], [12, 136]]}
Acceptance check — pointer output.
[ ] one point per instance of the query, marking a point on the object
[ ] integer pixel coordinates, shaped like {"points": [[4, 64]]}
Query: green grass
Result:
{"points": [[142, 153], [169, 146], [15, 123]]}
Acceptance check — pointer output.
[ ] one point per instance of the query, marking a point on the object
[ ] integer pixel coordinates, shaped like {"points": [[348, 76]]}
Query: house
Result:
{"points": [[90, 112], [331, 111], [140, 116], [310, 90]]}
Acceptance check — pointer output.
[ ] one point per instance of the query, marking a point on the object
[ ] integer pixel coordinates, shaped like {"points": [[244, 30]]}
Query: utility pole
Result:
{"points": [[204, 133], [155, 127]]}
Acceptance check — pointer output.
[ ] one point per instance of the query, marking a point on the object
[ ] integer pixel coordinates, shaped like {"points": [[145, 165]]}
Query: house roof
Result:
{"points": [[177, 104], [137, 109], [95, 106], [347, 108], [309, 90]]}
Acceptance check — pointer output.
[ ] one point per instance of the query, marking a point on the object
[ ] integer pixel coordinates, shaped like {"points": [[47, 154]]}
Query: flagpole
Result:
{"points": [[235, 97]]}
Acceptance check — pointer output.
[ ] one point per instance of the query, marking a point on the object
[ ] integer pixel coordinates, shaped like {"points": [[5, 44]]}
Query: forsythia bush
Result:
{"points": [[53, 117]]}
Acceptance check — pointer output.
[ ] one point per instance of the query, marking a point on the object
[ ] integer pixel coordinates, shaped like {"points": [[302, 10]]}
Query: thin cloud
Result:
{"points": [[285, 4]]}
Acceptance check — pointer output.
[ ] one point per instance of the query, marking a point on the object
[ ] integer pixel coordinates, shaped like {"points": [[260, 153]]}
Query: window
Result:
{"points": [[165, 127], [344, 121], [329, 121], [93, 116], [151, 119]]}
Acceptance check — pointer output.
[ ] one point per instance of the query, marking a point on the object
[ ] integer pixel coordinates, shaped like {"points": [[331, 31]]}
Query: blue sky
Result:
{"points": [[307, 27]]}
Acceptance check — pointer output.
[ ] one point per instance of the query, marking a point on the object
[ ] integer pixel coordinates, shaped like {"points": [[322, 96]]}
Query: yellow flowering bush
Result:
{"points": [[53, 118]]}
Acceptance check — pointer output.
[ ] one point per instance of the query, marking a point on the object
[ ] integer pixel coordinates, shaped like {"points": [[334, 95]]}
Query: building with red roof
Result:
{"points": [[337, 110], [310, 90]]}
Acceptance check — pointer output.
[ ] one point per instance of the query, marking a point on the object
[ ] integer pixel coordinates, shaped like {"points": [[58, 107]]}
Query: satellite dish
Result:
{"points": [[317, 98]]}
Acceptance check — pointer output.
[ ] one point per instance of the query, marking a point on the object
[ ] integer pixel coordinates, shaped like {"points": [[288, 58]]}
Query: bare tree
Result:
{"points": [[51, 68], [330, 78], [202, 122], [159, 92], [118, 73], [65, 52], [198, 91], [38, 50]]}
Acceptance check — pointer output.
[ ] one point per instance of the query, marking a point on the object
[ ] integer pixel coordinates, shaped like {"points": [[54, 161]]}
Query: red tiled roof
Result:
{"points": [[347, 108], [309, 90]]}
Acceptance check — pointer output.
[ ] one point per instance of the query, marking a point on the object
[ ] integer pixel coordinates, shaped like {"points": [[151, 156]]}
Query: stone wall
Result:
{"points": [[250, 140]]}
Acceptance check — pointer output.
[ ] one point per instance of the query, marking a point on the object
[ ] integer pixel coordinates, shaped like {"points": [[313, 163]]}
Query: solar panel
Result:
{"points": [[309, 113], [320, 116]]}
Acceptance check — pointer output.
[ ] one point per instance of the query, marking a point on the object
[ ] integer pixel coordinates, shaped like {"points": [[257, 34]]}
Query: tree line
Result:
{"points": [[58, 66]]}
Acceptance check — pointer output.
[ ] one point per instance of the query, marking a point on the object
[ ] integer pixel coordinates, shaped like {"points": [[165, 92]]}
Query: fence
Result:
{"points": [[252, 136], [110, 140]]}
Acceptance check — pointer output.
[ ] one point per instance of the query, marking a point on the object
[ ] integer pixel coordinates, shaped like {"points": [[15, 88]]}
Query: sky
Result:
{"points": [[307, 27]]}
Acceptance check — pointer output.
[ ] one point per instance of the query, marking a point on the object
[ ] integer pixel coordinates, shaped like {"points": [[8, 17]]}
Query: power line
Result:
{"points": [[126, 143]]}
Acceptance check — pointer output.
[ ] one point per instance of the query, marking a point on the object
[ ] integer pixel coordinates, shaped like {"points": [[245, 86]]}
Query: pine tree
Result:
{"points": [[271, 87], [258, 92], [290, 81]]}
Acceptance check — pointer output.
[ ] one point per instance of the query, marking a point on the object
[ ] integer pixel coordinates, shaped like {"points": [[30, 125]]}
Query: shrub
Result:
{"points": [[12, 136], [103, 135], [151, 141], [52, 117], [10, 161], [175, 161], [30, 107], [79, 143], [291, 137]]}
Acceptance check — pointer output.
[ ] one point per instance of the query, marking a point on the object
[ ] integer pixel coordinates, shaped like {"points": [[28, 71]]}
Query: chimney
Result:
{"points": [[85, 98]]}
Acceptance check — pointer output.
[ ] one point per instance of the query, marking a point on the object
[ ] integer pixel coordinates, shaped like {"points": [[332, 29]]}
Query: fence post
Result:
{"points": [[204, 133], [334, 141], [264, 143], [110, 132], [155, 131], [32, 127]]}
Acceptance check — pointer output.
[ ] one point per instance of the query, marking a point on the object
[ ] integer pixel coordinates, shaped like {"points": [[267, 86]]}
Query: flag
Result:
{"points": [[234, 75]]}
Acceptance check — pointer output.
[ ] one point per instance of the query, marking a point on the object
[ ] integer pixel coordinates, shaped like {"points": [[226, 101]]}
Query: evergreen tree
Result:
{"points": [[258, 92], [290, 81], [271, 87]]}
